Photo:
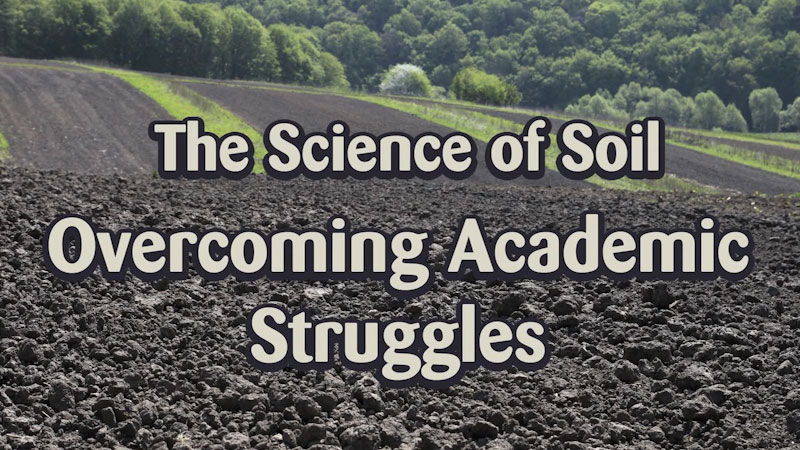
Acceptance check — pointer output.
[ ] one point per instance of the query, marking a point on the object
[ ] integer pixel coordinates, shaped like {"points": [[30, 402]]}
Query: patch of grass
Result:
{"points": [[786, 140], [484, 127], [180, 102], [42, 66], [4, 151], [784, 136]]}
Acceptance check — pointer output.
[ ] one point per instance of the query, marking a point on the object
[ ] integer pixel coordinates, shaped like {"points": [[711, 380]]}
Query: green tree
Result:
{"points": [[136, 39], [209, 56], [357, 47], [595, 106], [710, 111], [296, 66], [448, 45], [603, 18], [406, 79], [765, 107], [404, 22], [81, 27], [251, 52], [777, 16], [790, 119], [333, 71], [9, 19], [734, 121], [474, 85]]}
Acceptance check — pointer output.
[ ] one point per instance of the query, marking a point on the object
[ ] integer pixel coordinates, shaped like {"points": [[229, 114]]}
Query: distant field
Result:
{"points": [[79, 110]]}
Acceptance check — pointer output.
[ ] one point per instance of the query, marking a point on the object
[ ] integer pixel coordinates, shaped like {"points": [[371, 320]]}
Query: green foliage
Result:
{"points": [[554, 51], [790, 118], [632, 101], [167, 36], [252, 53], [406, 79], [358, 48], [476, 86], [603, 18], [710, 111], [734, 121], [765, 107], [598, 106]]}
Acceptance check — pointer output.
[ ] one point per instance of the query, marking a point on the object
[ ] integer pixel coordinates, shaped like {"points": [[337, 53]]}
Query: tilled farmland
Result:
{"points": [[161, 365], [314, 112], [71, 119]]}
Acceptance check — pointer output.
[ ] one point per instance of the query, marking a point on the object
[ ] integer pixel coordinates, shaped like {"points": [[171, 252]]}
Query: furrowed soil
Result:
{"points": [[640, 365], [314, 112], [694, 165], [75, 120]]}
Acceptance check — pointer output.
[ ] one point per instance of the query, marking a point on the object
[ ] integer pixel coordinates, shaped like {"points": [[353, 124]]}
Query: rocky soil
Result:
{"points": [[161, 366]]}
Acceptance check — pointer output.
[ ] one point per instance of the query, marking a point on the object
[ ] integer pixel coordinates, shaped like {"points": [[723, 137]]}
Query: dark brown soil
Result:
{"points": [[130, 364], [78, 121]]}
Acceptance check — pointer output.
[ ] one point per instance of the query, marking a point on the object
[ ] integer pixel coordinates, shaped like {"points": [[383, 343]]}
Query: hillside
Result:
{"points": [[552, 52], [93, 120]]}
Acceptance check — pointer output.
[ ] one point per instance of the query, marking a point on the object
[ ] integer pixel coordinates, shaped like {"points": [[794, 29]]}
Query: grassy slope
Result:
{"points": [[769, 163], [4, 152], [42, 66], [181, 102]]}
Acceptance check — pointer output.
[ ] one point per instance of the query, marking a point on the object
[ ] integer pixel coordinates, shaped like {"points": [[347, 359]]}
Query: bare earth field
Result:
{"points": [[76, 120], [260, 107], [138, 365], [675, 365]]}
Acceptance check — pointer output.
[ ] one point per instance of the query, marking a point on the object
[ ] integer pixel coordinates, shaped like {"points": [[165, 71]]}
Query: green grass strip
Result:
{"points": [[5, 153], [42, 66], [180, 102], [484, 127], [774, 139]]}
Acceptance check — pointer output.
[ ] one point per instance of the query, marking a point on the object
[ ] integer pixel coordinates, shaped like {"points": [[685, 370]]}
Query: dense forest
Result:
{"points": [[554, 52]]}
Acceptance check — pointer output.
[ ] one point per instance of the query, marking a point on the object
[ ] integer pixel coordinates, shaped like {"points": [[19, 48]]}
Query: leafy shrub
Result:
{"points": [[765, 108], [670, 105], [597, 105], [406, 79], [710, 111], [734, 121], [790, 119], [477, 86]]}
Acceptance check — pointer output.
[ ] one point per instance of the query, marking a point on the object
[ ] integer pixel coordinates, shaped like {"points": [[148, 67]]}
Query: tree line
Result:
{"points": [[167, 36], [706, 110], [551, 52]]}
